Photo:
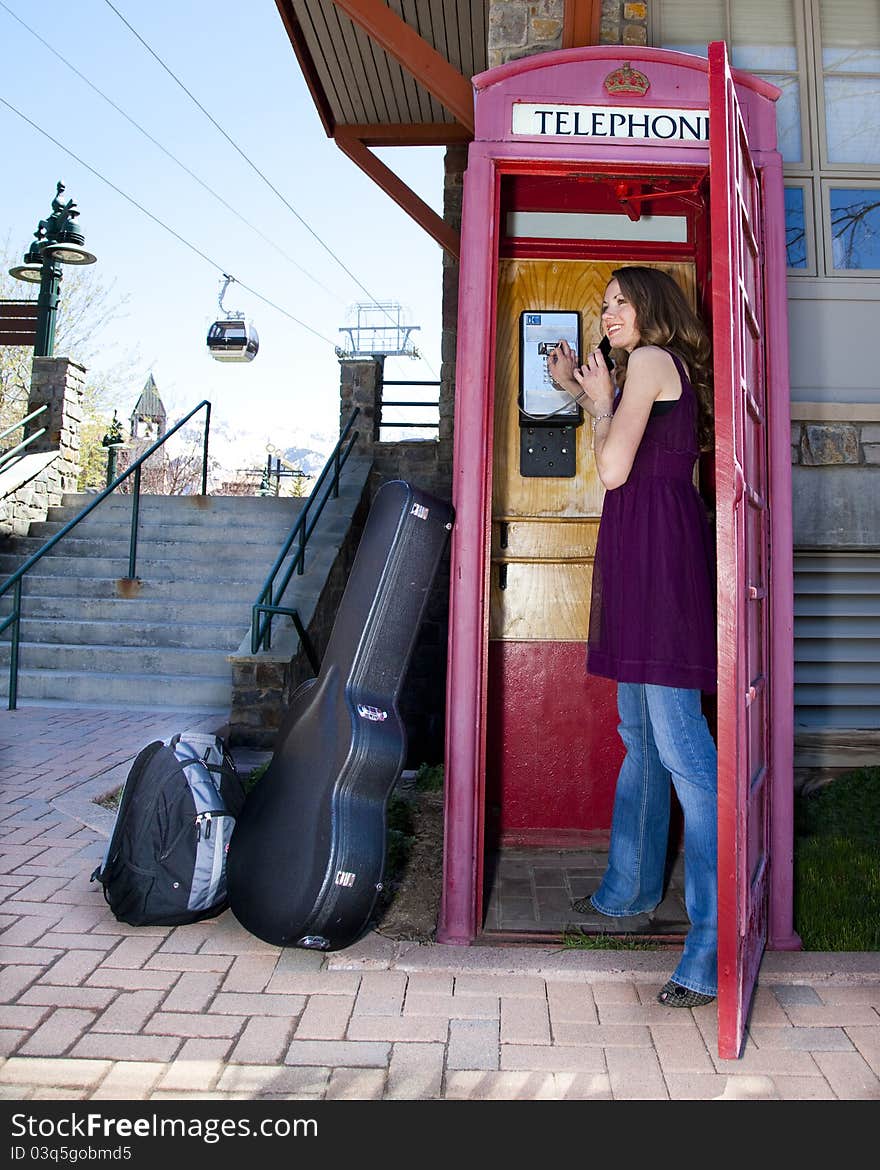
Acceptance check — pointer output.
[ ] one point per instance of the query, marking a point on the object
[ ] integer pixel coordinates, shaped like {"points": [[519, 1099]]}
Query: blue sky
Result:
{"points": [[236, 59]]}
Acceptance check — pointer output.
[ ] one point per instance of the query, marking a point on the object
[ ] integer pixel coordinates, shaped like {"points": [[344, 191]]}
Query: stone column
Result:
{"points": [[623, 23], [455, 163], [518, 28], [360, 384], [57, 382]]}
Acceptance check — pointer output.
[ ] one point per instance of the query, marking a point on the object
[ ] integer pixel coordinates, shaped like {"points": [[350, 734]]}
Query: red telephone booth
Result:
{"points": [[585, 160]]}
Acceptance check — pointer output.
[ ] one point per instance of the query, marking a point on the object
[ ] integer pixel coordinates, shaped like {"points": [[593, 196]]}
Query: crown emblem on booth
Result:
{"points": [[627, 80]]}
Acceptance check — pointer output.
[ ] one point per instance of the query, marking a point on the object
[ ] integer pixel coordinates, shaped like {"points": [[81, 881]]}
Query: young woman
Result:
{"points": [[652, 621]]}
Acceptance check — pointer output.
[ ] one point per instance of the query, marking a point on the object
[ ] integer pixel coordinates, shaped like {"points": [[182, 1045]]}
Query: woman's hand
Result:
{"points": [[561, 366], [596, 388]]}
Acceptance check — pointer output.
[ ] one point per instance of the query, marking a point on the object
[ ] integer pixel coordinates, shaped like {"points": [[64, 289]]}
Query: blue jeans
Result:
{"points": [[666, 735]]}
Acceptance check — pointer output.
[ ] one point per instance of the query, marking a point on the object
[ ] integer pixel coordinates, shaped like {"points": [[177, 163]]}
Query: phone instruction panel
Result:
{"points": [[540, 331]]}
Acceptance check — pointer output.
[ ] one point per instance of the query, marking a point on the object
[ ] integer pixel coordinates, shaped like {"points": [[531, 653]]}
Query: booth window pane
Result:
{"points": [[852, 120], [855, 227], [850, 35], [795, 228]]}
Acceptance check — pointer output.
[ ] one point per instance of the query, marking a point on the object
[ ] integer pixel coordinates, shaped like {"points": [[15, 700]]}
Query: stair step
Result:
{"points": [[220, 549], [76, 631], [36, 585], [139, 609], [146, 660], [125, 690], [90, 637], [93, 528], [187, 568], [182, 507]]}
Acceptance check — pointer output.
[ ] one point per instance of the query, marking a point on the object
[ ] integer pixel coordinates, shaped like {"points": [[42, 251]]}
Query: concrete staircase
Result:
{"points": [[91, 638]]}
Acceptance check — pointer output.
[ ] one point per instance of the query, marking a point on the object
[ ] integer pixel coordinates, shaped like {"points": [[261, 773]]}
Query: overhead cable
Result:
{"points": [[187, 243], [239, 150], [169, 154]]}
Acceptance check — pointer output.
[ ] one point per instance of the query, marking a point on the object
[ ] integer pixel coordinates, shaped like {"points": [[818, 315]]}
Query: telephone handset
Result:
{"points": [[540, 402]]}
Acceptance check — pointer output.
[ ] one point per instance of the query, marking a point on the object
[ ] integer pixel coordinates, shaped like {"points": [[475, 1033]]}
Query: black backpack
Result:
{"points": [[165, 862]]}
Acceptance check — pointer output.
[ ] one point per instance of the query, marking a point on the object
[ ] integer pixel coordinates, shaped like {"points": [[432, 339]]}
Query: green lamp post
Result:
{"points": [[57, 241], [113, 441]]}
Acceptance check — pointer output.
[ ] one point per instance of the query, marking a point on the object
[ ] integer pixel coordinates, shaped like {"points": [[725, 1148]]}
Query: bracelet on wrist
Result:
{"points": [[598, 417]]}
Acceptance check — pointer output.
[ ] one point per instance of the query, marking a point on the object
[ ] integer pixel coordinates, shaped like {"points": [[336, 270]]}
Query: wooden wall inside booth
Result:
{"points": [[553, 752], [550, 525]]}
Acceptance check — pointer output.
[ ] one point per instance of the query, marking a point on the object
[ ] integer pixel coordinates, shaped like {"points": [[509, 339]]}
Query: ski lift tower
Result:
{"points": [[377, 329]]}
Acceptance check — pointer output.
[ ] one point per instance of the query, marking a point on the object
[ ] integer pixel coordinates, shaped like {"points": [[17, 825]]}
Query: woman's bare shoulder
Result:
{"points": [[650, 357], [655, 367]]}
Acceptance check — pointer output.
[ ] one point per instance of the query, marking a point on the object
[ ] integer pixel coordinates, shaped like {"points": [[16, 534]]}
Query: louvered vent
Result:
{"points": [[837, 640]]}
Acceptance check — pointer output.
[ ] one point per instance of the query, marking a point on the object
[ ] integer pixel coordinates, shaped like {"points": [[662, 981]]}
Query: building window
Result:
{"points": [[824, 55], [796, 227], [854, 214]]}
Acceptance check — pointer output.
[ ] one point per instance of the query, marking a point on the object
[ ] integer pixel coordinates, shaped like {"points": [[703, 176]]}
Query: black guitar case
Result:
{"points": [[307, 854]]}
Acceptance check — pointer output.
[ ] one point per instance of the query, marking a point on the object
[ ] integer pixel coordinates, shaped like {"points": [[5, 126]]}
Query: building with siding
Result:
{"points": [[398, 74]]}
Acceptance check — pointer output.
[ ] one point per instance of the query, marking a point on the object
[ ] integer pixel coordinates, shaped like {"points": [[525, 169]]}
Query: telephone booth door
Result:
{"points": [[532, 752]]}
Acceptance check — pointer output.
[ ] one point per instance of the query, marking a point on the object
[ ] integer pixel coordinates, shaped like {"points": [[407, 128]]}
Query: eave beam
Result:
{"points": [[406, 134], [580, 24], [425, 216], [413, 53]]}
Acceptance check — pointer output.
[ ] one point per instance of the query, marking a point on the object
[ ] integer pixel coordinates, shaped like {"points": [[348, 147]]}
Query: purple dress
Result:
{"points": [[652, 617]]}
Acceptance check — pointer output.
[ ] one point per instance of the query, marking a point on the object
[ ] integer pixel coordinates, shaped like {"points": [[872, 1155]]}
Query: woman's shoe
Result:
{"points": [[674, 995], [583, 906]]}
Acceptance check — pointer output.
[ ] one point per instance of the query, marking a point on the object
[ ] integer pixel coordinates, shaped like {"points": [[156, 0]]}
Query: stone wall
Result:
{"points": [[828, 444], [623, 23], [519, 28], [56, 383], [836, 481], [29, 501]]}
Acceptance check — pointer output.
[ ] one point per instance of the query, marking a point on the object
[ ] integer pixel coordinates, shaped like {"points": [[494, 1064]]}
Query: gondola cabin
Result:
{"points": [[233, 339]]}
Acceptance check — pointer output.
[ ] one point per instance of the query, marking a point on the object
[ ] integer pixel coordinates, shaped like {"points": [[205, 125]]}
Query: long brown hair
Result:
{"points": [[664, 318]]}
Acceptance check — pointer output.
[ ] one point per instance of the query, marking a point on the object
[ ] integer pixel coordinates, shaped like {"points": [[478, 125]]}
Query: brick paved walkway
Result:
{"points": [[94, 1009]]}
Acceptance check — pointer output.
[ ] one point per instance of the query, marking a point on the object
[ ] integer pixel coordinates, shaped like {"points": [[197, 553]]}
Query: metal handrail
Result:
{"points": [[429, 404], [14, 582], [5, 456], [268, 601]]}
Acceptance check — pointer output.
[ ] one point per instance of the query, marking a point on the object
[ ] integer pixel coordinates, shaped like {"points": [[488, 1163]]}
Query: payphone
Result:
{"points": [[586, 160], [548, 415]]}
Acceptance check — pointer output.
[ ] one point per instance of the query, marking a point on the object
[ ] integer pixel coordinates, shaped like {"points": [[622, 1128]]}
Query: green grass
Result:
{"points": [[837, 864], [429, 778], [579, 940], [257, 774], [399, 837]]}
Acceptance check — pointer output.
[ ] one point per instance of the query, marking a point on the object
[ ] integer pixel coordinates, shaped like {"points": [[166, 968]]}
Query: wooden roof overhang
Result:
{"points": [[397, 73]]}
